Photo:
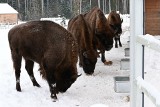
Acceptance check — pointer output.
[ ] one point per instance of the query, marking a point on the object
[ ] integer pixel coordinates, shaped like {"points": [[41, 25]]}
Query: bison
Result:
{"points": [[52, 47], [115, 21], [82, 32], [102, 31]]}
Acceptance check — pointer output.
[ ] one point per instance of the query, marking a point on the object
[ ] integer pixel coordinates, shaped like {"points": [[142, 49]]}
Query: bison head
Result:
{"points": [[65, 80], [102, 31], [106, 39], [117, 28], [89, 61]]}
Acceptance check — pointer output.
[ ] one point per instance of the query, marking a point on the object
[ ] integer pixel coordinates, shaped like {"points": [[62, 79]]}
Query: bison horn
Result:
{"points": [[79, 75]]}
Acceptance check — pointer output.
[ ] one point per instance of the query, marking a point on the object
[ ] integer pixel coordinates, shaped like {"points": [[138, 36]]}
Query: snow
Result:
{"points": [[149, 90], [99, 105], [6, 8], [87, 91], [149, 41]]}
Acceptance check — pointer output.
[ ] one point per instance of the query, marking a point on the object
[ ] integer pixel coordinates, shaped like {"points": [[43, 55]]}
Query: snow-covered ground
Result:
{"points": [[85, 92]]}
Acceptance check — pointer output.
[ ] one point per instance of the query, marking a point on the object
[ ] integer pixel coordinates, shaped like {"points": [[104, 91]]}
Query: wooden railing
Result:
{"points": [[139, 86]]}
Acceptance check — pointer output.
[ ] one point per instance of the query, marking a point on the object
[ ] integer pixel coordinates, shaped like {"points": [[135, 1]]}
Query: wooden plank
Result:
{"points": [[152, 20], [151, 27], [148, 90], [152, 32], [152, 10], [152, 17], [152, 4]]}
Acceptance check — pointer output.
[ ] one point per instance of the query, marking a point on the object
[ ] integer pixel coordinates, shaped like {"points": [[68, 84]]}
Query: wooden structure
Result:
{"points": [[152, 17], [144, 15], [8, 15]]}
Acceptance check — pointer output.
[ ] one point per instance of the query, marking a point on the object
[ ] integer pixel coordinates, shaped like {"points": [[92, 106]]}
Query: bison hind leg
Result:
{"points": [[17, 59], [29, 67]]}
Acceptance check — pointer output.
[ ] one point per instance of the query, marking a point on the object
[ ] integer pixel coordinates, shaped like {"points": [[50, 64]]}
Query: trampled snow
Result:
{"points": [[87, 91]]}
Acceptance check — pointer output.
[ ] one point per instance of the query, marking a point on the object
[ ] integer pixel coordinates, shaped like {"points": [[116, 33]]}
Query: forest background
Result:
{"points": [[36, 9]]}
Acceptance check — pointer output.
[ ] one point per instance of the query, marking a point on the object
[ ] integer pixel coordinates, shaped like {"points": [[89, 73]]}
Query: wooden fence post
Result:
{"points": [[136, 28]]}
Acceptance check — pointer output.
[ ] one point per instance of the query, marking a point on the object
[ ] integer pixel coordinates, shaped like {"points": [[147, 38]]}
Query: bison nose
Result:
{"points": [[88, 69], [89, 73]]}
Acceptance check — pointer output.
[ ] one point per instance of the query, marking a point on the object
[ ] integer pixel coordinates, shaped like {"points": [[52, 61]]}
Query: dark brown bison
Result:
{"points": [[82, 32], [52, 47], [116, 23], [102, 31]]}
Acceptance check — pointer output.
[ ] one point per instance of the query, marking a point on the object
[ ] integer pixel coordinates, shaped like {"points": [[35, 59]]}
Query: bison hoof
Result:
{"points": [[18, 88], [54, 97], [108, 63]]}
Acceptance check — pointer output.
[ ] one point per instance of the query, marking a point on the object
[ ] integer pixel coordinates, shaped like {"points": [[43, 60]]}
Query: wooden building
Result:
{"points": [[8, 15], [152, 17]]}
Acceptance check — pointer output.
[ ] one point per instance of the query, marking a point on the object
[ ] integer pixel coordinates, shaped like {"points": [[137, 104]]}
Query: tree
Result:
{"points": [[36, 9]]}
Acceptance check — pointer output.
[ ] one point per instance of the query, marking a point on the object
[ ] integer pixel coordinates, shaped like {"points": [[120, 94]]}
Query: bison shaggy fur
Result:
{"points": [[52, 47], [82, 32], [116, 23], [102, 31]]}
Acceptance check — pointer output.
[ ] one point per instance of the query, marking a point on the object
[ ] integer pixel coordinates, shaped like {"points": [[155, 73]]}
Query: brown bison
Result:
{"points": [[82, 32], [103, 33], [116, 22], [52, 47]]}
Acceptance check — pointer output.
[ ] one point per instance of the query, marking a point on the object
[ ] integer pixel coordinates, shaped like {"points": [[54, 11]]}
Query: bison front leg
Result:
{"points": [[103, 57], [120, 42], [48, 72], [52, 85], [104, 60], [53, 91], [116, 45]]}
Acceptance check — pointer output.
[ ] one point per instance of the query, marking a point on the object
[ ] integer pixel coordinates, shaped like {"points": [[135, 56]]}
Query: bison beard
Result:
{"points": [[52, 47]]}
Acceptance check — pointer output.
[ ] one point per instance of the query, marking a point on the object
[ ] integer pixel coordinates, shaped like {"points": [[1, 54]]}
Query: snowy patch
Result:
{"points": [[99, 105]]}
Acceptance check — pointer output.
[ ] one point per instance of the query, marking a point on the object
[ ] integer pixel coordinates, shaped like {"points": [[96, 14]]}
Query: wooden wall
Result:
{"points": [[9, 18], [152, 17]]}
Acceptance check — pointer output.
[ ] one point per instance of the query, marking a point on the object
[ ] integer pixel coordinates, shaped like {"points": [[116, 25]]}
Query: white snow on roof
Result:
{"points": [[6, 8]]}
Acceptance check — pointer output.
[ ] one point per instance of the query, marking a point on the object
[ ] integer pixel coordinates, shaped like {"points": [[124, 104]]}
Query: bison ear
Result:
{"points": [[85, 54], [121, 20]]}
